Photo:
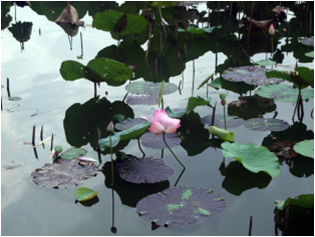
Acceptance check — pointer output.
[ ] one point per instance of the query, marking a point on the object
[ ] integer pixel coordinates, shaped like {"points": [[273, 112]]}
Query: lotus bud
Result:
{"points": [[110, 127], [223, 102], [271, 30]]}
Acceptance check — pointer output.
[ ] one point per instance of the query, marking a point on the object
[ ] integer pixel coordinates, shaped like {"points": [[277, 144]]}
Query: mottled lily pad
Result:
{"points": [[264, 124], [73, 153], [308, 41], [254, 158], [150, 88], [142, 100], [284, 93], [128, 123], [14, 98], [305, 148], [151, 140], [231, 121], [145, 170], [180, 206], [63, 173], [249, 74]]}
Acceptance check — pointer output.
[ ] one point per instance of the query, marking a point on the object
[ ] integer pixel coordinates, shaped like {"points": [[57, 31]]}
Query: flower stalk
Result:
{"points": [[172, 151]]}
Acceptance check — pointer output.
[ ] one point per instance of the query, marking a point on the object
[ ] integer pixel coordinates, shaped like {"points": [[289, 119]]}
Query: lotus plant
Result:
{"points": [[162, 123], [110, 130]]}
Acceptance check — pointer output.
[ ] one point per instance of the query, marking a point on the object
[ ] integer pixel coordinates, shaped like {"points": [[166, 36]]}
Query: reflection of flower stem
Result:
{"points": [[272, 45], [172, 151], [111, 157], [179, 177], [224, 117], [140, 148]]}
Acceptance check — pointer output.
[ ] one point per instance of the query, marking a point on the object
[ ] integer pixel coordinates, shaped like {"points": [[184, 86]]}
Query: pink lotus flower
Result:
{"points": [[161, 122], [271, 30]]}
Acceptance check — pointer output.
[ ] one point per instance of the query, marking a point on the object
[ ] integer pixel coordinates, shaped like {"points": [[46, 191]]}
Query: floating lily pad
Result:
{"points": [[142, 100], [284, 93], [192, 103], [199, 31], [14, 98], [128, 123], [305, 148], [145, 170], [180, 206], [63, 173], [84, 194], [308, 41], [150, 88], [266, 63], [231, 121], [254, 158], [264, 124], [151, 140], [249, 74], [73, 153]]}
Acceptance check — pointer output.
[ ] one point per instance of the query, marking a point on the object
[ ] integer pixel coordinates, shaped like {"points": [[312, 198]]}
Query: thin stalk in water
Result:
{"points": [[172, 151], [140, 148], [111, 157]]}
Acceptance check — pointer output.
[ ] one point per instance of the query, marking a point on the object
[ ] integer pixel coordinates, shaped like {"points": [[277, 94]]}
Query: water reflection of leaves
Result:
{"points": [[129, 193], [238, 179], [81, 121]]}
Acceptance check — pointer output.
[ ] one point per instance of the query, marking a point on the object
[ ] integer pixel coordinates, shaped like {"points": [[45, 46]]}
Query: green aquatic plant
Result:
{"points": [[83, 194]]}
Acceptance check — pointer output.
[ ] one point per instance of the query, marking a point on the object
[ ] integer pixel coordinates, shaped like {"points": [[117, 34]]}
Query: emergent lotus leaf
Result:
{"points": [[254, 158]]}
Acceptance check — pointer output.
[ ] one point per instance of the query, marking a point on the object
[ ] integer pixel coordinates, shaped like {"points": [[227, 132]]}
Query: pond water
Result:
{"points": [[48, 100]]}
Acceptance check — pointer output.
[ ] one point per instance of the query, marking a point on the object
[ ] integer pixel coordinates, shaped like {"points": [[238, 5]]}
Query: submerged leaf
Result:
{"points": [[84, 194], [146, 170], [150, 88], [180, 206], [254, 158]]}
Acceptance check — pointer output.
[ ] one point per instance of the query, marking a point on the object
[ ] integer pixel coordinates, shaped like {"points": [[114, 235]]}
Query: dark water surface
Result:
{"points": [[28, 209]]}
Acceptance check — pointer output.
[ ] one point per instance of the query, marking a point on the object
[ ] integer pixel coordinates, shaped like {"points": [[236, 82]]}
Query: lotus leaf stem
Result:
{"points": [[111, 157]]}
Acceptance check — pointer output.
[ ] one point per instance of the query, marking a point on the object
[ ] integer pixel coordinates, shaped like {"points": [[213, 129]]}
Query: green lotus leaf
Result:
{"points": [[305, 148], [304, 200], [222, 134], [310, 54], [84, 194], [216, 83], [73, 153], [134, 132], [254, 158], [266, 63], [193, 102], [223, 96], [97, 70], [205, 81], [199, 31], [58, 148], [284, 93], [112, 21]]}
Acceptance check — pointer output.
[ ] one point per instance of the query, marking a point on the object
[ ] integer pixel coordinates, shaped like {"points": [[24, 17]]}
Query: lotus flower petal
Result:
{"points": [[161, 122]]}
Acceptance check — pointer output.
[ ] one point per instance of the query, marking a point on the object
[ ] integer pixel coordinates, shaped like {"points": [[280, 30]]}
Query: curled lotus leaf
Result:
{"points": [[63, 173], [146, 170], [84, 194], [222, 133], [180, 206], [249, 74], [264, 124]]}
